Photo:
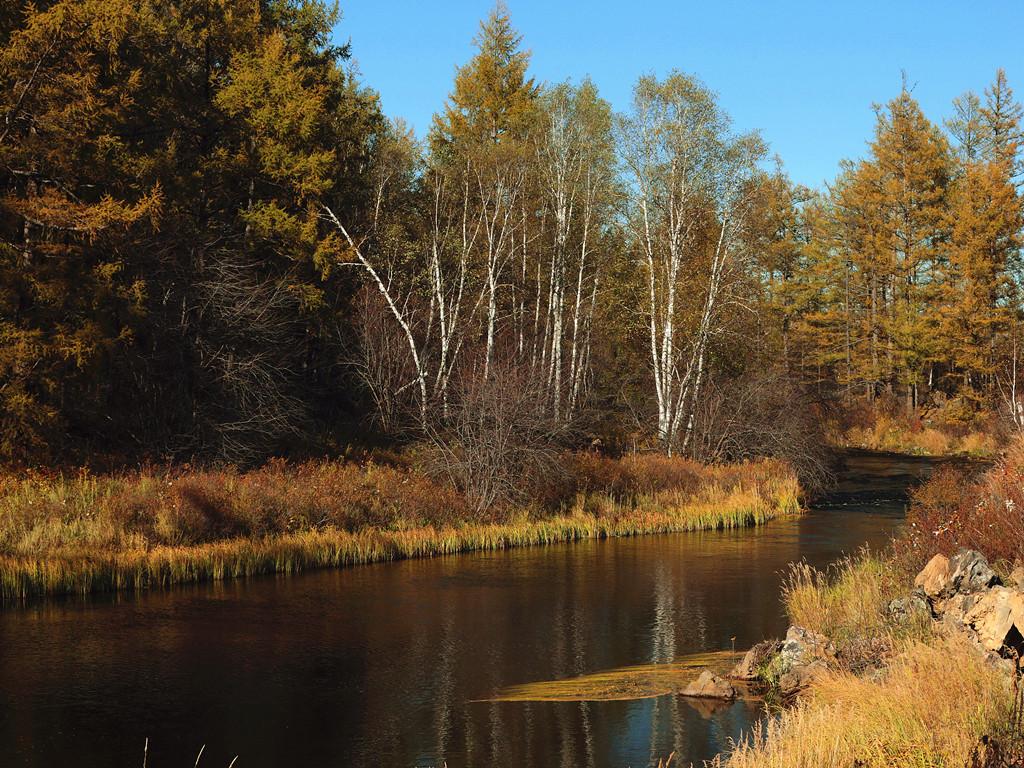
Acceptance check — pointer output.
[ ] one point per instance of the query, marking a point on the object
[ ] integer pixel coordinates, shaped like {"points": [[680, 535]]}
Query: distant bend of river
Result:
{"points": [[380, 665]]}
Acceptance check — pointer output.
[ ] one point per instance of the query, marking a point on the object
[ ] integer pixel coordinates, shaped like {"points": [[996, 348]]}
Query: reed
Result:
{"points": [[82, 534]]}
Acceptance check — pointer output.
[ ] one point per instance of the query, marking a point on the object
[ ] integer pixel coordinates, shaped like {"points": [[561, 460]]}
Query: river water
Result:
{"points": [[383, 665]]}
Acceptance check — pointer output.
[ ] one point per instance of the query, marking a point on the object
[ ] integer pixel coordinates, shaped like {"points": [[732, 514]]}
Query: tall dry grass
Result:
{"points": [[898, 436], [85, 533], [930, 708], [849, 604], [885, 426]]}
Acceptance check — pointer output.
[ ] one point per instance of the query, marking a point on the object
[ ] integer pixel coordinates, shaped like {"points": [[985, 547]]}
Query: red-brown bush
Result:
{"points": [[952, 510]]}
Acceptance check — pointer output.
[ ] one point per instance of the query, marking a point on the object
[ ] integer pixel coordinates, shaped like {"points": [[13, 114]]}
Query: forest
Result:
{"points": [[214, 247]]}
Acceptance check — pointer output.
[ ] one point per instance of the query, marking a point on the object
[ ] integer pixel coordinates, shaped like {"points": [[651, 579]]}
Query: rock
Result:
{"points": [[710, 686], [954, 610], [802, 646], [967, 572], [800, 676], [748, 669], [934, 578], [804, 655], [903, 608], [1003, 664], [970, 572], [998, 618]]}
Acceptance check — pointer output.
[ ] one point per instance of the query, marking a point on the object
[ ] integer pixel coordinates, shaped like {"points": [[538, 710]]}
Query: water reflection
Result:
{"points": [[380, 665]]}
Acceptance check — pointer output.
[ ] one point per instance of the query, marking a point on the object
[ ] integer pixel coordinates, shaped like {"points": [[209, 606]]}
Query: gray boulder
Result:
{"points": [[804, 655], [800, 676], [802, 646], [902, 609], [710, 686], [970, 572], [967, 572]]}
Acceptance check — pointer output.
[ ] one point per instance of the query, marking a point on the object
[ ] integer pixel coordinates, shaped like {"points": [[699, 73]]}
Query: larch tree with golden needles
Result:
{"points": [[984, 236], [890, 209], [162, 291]]}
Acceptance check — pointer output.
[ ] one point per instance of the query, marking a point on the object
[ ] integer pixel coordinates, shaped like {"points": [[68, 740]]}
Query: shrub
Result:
{"points": [[952, 511], [886, 426]]}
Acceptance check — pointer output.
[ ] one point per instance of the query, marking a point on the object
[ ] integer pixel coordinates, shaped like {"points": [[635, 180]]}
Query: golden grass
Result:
{"points": [[849, 604], [79, 540], [929, 709], [898, 436], [925, 701]]}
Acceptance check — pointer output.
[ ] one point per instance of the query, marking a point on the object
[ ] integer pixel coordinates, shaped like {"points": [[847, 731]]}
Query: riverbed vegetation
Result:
{"points": [[86, 532], [884, 425]]}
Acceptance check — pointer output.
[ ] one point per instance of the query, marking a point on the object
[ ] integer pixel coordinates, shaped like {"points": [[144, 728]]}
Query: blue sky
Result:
{"points": [[803, 73]]}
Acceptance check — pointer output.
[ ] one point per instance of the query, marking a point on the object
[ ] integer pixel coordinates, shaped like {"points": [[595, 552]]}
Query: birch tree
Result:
{"points": [[480, 139], [576, 166], [689, 182]]}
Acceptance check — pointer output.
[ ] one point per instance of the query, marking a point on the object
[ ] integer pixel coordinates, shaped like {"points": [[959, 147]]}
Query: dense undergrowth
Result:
{"points": [[79, 533], [954, 510], [886, 426]]}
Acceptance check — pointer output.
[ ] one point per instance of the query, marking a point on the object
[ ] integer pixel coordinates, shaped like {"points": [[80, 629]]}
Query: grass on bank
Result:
{"points": [[885, 426], [897, 436], [77, 534], [930, 706], [849, 603], [904, 692]]}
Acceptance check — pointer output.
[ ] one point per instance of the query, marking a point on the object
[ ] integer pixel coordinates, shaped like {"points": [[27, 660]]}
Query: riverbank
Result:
{"points": [[873, 428], [910, 667], [62, 534]]}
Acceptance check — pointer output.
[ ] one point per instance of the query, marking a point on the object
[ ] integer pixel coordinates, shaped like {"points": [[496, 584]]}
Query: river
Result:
{"points": [[383, 665]]}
